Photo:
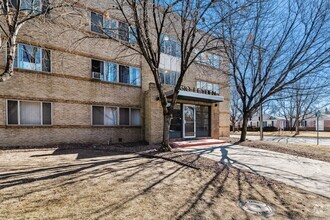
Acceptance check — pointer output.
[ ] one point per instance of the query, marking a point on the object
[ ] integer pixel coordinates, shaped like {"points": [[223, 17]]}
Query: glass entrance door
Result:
{"points": [[189, 121]]}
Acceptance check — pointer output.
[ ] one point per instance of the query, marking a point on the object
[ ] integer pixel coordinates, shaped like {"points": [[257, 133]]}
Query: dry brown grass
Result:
{"points": [[91, 184], [313, 134], [316, 152]]}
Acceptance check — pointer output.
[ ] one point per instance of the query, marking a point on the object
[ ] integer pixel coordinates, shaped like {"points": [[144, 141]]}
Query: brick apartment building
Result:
{"points": [[92, 93]]}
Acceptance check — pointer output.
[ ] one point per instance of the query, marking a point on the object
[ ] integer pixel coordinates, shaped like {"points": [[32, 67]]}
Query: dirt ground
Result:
{"points": [[323, 134], [316, 152], [93, 184]]}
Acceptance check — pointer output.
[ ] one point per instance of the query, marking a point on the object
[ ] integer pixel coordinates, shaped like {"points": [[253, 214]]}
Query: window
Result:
{"points": [[96, 22], [28, 113], [135, 117], [124, 74], [97, 69], [208, 59], [212, 88], [134, 76], [113, 72], [113, 116], [202, 121], [169, 77], [170, 46], [124, 116], [36, 6], [104, 115], [112, 28], [123, 31], [110, 72], [32, 58]]}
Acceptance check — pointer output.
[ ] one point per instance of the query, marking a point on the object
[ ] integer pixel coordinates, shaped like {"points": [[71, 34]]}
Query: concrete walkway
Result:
{"points": [[304, 173], [294, 140]]}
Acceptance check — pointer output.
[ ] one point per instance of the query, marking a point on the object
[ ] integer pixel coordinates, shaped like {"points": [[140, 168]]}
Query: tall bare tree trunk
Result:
{"points": [[166, 133], [244, 127], [11, 49]]}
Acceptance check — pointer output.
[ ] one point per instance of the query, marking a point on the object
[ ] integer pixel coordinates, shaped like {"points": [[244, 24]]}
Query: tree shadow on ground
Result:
{"points": [[210, 192]]}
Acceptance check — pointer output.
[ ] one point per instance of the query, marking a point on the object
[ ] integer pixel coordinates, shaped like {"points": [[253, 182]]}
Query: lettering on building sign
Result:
{"points": [[198, 90]]}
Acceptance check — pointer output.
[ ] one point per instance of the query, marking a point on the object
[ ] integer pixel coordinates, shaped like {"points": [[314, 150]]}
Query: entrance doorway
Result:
{"points": [[189, 121]]}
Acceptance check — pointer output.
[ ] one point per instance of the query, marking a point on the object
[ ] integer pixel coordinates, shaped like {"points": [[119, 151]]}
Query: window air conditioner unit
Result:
{"points": [[96, 75]]}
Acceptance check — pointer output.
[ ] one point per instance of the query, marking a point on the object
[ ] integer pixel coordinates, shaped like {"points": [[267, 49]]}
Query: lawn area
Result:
{"points": [[313, 134], [316, 152], [93, 184]]}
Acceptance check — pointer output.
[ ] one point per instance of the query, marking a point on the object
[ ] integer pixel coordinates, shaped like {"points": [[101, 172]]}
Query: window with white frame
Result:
{"points": [[208, 59], [210, 87], [32, 58], [113, 28], [112, 72], [170, 46], [29, 113], [168, 77], [35, 6], [113, 116]]}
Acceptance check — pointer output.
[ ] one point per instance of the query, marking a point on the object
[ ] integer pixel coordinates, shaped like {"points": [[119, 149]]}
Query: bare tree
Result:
{"points": [[14, 14], [190, 23], [302, 100], [273, 45], [235, 108]]}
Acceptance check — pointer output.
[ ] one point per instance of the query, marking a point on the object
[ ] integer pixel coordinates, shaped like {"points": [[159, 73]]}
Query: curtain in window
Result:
{"points": [[111, 72], [110, 116], [30, 113], [135, 76], [135, 117]]}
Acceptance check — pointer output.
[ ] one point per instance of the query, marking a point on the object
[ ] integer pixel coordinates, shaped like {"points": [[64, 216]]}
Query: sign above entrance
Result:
{"points": [[193, 96]]}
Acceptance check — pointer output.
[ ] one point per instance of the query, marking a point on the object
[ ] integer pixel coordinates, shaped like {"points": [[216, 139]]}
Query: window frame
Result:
{"points": [[35, 11], [200, 82], [114, 34], [204, 59], [41, 58], [117, 73], [19, 113], [101, 29], [118, 116], [166, 72]]}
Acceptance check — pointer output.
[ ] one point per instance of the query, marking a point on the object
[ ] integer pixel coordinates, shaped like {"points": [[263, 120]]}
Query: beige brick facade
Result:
{"points": [[72, 92]]}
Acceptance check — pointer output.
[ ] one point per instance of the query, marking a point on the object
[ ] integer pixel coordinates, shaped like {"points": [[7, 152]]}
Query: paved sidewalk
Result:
{"points": [[304, 173], [294, 140]]}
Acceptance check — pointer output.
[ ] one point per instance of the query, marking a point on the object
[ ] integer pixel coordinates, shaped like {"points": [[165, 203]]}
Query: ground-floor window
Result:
{"points": [[28, 113], [193, 123], [113, 116]]}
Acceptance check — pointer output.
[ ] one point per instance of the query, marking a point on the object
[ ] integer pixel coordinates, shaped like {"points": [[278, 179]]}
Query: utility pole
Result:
{"points": [[317, 114], [261, 117]]}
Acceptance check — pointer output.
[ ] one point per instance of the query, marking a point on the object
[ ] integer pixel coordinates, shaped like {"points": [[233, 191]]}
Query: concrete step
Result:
{"points": [[193, 143]]}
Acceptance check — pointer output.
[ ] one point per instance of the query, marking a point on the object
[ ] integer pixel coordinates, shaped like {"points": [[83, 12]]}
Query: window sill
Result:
{"points": [[31, 71], [116, 126], [115, 83], [28, 126]]}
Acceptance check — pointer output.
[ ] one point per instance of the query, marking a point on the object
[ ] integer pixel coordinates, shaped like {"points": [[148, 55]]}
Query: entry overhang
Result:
{"points": [[194, 96]]}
